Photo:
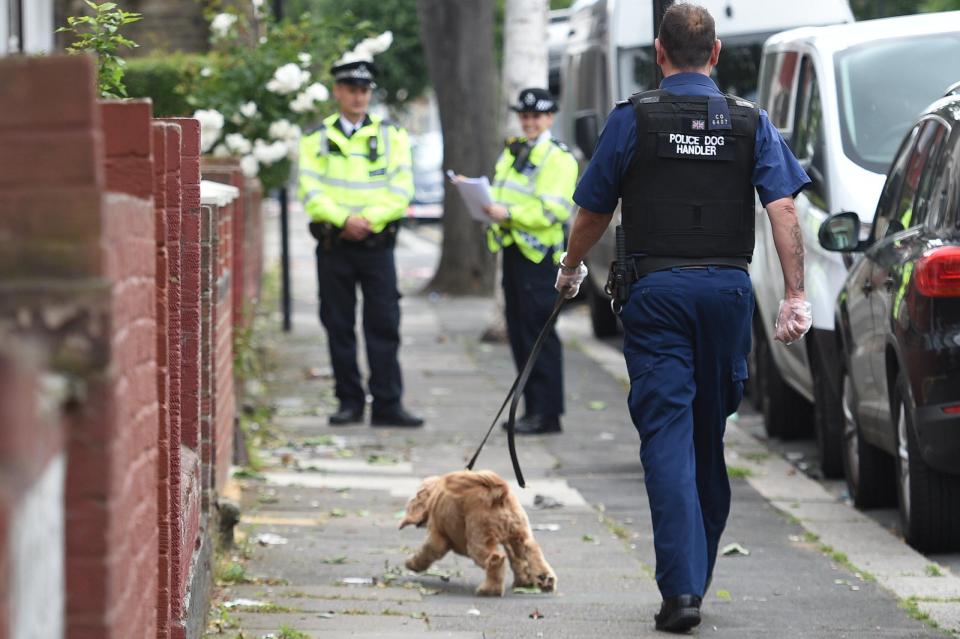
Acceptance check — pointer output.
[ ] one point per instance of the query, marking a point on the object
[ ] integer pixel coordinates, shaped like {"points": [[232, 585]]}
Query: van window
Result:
{"points": [[636, 70], [591, 84], [882, 87], [782, 70], [807, 141]]}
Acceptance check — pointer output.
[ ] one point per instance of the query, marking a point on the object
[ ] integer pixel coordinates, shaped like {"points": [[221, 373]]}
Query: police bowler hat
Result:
{"points": [[535, 101], [360, 72]]}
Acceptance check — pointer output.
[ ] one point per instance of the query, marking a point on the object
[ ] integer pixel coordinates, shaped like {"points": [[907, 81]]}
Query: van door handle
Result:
{"points": [[867, 287], [889, 283]]}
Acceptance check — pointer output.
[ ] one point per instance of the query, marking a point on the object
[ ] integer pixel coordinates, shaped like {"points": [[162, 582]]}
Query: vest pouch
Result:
{"points": [[715, 218]]}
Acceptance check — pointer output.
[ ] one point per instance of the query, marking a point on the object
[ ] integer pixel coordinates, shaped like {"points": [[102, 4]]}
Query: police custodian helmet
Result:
{"points": [[535, 101]]}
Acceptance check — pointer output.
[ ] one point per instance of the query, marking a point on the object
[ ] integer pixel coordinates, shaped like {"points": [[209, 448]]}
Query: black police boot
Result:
{"points": [[396, 417], [346, 415], [678, 614], [538, 425]]}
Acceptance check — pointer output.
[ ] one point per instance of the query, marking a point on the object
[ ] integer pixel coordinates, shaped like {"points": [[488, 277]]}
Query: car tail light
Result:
{"points": [[937, 273], [952, 410]]}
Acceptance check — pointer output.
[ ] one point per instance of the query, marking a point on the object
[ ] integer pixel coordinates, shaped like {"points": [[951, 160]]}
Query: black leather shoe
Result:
{"points": [[346, 416], [536, 425], [398, 417], [678, 614]]}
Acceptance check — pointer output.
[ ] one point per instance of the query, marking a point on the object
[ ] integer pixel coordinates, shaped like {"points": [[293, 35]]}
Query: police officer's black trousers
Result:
{"points": [[529, 296], [339, 270]]}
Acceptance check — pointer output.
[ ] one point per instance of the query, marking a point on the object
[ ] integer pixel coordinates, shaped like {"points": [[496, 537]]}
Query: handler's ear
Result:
{"points": [[418, 506]]}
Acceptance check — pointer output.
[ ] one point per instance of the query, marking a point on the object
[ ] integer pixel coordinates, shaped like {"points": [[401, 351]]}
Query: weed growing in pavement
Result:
{"points": [[756, 456], [911, 605], [286, 632], [738, 472], [933, 570], [228, 572]]}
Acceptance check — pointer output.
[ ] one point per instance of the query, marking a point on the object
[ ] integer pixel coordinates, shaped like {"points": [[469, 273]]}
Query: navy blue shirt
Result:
{"points": [[776, 172]]}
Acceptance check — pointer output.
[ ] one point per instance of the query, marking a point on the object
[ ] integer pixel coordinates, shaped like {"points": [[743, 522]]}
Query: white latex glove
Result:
{"points": [[570, 279], [793, 320]]}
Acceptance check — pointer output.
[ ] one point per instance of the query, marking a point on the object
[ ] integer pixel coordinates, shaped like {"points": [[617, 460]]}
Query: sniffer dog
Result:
{"points": [[474, 514]]}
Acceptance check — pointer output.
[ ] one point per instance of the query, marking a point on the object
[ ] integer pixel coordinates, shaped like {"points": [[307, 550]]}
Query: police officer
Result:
{"points": [[685, 160], [356, 183], [532, 189]]}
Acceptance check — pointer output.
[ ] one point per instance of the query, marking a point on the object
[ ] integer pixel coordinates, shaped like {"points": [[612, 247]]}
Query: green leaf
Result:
{"points": [[724, 594]]}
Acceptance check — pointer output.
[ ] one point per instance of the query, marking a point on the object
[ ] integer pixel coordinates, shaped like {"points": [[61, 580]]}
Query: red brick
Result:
{"points": [[191, 135], [47, 91], [69, 157], [127, 127]]}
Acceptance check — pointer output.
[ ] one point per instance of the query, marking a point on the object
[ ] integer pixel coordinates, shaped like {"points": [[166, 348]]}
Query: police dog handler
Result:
{"points": [[685, 160], [532, 191], [356, 183]]}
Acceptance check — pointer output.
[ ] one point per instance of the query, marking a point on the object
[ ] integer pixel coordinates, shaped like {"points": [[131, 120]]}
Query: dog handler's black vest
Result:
{"points": [[688, 193]]}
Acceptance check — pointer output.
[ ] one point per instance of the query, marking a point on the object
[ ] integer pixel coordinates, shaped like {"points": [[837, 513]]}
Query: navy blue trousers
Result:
{"points": [[529, 295], [339, 271], [687, 336]]}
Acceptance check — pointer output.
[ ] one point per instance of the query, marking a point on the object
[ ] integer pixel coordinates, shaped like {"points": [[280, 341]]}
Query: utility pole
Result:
{"points": [[284, 226], [659, 7]]}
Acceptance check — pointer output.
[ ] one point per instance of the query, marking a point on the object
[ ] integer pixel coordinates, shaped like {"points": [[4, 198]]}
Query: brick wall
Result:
{"points": [[106, 269]]}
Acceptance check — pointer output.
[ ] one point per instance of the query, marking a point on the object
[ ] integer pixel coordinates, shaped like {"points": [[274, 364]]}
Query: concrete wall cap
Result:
{"points": [[216, 193]]}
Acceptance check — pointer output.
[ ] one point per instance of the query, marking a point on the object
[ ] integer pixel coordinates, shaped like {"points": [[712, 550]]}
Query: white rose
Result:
{"points": [[249, 109], [305, 59], [211, 124], [249, 166], [287, 79], [221, 151], [302, 103], [269, 153], [279, 129], [318, 92], [206, 72], [221, 24], [238, 144]]}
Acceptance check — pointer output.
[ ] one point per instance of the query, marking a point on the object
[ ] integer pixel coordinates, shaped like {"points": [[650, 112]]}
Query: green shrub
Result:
{"points": [[166, 79]]}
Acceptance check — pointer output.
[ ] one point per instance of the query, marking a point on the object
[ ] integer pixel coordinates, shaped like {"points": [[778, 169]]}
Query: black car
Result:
{"points": [[898, 319]]}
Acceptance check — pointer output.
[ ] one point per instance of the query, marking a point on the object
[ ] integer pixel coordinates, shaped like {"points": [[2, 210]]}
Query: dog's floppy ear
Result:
{"points": [[417, 507]]}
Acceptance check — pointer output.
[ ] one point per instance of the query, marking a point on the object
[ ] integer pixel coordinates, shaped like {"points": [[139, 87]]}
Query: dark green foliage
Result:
{"points": [[166, 79]]}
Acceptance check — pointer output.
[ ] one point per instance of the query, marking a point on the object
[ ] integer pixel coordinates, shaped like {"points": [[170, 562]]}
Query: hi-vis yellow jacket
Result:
{"points": [[368, 174], [539, 198]]}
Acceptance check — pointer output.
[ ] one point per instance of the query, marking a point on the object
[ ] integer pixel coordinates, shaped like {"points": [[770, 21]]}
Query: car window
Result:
{"points": [[891, 189], [807, 139], [780, 70], [906, 214], [936, 132]]}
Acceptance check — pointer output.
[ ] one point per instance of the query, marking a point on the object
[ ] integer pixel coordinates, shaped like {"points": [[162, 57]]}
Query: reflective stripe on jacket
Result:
{"points": [[539, 198], [341, 176]]}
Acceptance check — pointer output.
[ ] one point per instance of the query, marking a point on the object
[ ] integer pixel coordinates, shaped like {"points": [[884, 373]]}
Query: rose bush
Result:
{"points": [[265, 83]]}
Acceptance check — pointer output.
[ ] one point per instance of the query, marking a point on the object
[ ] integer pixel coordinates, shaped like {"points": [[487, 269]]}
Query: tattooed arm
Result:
{"points": [[789, 242]]}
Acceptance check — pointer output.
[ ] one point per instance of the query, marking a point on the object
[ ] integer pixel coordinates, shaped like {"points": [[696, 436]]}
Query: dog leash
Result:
{"points": [[513, 395]]}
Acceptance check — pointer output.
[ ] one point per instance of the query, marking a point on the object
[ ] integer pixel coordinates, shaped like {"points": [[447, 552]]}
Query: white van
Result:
{"points": [[609, 56], [843, 97]]}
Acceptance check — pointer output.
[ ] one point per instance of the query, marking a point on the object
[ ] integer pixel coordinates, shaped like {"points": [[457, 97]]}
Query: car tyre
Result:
{"points": [[602, 318], [929, 500], [828, 420], [868, 470], [785, 413]]}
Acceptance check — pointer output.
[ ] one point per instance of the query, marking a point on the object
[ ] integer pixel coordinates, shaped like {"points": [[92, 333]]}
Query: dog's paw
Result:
{"points": [[490, 590], [414, 565]]}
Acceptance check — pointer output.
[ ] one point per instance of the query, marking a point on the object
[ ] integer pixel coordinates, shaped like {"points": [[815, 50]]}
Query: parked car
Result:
{"points": [[843, 97], [609, 56], [898, 335], [427, 151]]}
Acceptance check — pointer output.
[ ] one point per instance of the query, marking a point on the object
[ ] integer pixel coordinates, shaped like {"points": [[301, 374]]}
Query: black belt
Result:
{"points": [[516, 391], [644, 264]]}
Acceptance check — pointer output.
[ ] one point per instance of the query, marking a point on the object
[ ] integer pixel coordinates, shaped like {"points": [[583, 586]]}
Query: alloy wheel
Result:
{"points": [[903, 457], [851, 437]]}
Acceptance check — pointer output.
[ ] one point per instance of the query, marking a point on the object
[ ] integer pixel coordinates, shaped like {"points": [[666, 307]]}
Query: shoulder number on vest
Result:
{"points": [[687, 146]]}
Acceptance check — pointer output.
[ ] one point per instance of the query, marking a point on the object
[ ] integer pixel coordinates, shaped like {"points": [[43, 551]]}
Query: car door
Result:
{"points": [[892, 257], [865, 340]]}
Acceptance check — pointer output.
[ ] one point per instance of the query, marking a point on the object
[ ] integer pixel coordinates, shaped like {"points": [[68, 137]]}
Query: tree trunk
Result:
{"points": [[458, 41], [524, 65]]}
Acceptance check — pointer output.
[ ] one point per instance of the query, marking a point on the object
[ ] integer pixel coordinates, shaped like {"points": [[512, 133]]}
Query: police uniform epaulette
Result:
{"points": [[563, 147], [620, 103], [314, 129], [741, 101], [509, 141]]}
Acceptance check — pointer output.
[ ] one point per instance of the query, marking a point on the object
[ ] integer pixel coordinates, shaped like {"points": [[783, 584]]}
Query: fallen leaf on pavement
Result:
{"points": [[244, 603], [338, 513], [473, 612], [536, 614], [358, 581], [547, 527], [523, 590], [544, 501], [339, 559], [734, 549], [597, 405], [724, 594], [587, 537], [270, 539]]}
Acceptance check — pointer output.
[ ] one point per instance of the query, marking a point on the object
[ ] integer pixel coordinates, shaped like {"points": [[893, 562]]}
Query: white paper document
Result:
{"points": [[475, 192]]}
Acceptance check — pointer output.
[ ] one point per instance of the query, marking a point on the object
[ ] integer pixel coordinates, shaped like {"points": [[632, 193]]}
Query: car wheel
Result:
{"points": [[929, 500], [868, 470], [602, 318], [828, 420], [785, 413]]}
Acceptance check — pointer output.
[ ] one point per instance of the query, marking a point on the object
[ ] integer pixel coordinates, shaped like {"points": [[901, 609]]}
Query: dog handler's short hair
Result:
{"points": [[687, 34]]}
